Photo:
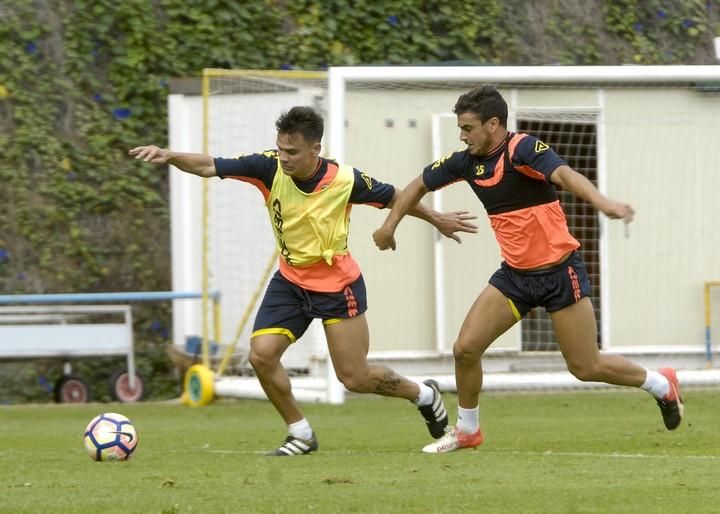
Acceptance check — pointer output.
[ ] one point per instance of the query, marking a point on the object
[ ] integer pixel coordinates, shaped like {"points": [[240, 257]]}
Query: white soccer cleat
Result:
{"points": [[454, 440]]}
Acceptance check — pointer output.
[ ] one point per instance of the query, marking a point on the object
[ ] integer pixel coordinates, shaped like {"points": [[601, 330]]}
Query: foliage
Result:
{"points": [[83, 81], [659, 32]]}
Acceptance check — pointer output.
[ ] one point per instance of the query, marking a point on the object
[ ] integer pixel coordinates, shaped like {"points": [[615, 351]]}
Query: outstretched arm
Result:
{"points": [[196, 163], [577, 184], [447, 223], [384, 237], [408, 202]]}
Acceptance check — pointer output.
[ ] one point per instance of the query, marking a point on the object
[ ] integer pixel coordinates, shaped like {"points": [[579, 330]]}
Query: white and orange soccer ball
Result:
{"points": [[110, 436]]}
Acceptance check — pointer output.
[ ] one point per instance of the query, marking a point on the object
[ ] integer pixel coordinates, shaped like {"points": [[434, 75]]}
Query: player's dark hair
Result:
{"points": [[301, 120], [485, 102]]}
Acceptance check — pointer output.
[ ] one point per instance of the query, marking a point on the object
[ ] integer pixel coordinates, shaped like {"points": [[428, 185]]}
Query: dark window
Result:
{"points": [[577, 144]]}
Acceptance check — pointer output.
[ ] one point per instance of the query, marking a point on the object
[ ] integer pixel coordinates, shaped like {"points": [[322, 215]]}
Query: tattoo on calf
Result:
{"points": [[389, 383]]}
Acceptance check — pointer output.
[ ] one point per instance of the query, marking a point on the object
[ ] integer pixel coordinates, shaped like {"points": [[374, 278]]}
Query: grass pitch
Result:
{"points": [[547, 453]]}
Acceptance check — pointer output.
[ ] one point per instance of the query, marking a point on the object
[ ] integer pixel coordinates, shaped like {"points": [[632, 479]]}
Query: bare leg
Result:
{"points": [[488, 318], [348, 343], [576, 330], [265, 353]]}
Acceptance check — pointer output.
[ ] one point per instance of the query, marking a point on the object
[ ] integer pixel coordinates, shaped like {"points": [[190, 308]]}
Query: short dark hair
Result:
{"points": [[485, 102], [301, 120]]}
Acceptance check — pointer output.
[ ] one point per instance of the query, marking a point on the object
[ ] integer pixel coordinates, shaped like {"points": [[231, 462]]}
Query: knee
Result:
{"points": [[585, 371], [464, 353], [261, 361], [355, 382], [352, 384]]}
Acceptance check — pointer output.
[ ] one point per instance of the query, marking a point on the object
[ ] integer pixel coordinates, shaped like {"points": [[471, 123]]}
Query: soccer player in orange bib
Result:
{"points": [[309, 199], [542, 265]]}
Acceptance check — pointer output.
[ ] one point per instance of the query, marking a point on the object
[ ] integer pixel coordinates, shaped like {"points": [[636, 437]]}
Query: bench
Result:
{"points": [[67, 331]]}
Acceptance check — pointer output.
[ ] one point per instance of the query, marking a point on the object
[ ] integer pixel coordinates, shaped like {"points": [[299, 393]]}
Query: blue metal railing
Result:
{"points": [[137, 296], [128, 297]]}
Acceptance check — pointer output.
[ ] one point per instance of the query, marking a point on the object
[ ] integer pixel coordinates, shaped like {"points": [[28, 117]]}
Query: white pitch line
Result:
{"points": [[547, 453], [594, 455]]}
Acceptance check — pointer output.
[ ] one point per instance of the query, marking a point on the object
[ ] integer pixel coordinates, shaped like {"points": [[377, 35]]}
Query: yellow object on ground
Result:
{"points": [[199, 386]]}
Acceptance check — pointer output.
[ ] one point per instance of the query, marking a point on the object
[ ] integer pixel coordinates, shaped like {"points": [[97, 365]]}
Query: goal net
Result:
{"points": [[643, 135], [240, 109]]}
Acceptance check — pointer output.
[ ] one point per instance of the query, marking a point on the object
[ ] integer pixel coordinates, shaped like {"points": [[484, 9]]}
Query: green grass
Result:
{"points": [[546, 453]]}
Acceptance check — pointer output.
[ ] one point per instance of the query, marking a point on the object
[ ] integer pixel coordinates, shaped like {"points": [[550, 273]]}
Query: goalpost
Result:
{"points": [[643, 134], [239, 112]]}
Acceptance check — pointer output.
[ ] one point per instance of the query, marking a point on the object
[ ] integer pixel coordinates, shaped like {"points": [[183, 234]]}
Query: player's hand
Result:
{"points": [[619, 211], [384, 239], [448, 223], [151, 153]]}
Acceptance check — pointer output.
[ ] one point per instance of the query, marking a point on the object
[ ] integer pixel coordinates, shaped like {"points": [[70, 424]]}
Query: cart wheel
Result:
{"points": [[120, 389], [71, 389], [199, 385]]}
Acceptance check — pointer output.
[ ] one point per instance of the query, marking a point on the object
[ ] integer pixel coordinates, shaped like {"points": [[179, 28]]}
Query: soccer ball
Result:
{"points": [[110, 436]]}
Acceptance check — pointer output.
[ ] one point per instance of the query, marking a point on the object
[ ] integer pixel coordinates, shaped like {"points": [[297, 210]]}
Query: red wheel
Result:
{"points": [[71, 389], [120, 389]]}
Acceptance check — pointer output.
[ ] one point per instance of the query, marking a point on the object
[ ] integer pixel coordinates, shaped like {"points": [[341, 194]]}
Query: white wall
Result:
{"points": [[185, 135]]}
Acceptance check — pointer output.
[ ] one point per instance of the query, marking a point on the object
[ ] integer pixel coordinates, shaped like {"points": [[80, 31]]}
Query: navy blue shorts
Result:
{"points": [[553, 288], [289, 309]]}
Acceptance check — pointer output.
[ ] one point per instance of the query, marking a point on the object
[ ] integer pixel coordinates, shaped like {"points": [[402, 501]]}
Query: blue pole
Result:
{"points": [[138, 296], [708, 347]]}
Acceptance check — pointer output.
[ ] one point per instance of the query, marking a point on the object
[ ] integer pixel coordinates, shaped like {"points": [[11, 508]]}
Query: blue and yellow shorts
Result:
{"points": [[553, 288], [289, 309]]}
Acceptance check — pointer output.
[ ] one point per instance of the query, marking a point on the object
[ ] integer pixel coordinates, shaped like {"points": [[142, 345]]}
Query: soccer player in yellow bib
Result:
{"points": [[309, 198]]}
